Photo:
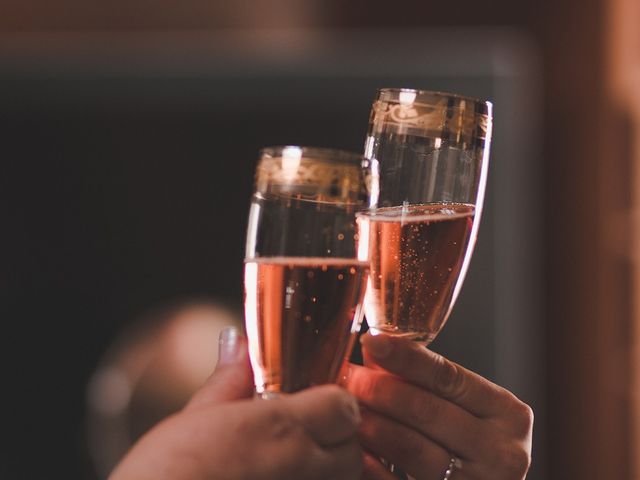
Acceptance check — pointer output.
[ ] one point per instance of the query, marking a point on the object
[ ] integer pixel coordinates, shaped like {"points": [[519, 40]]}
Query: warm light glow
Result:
{"points": [[252, 230], [109, 391], [291, 158], [374, 186], [357, 319], [368, 301], [407, 97], [363, 238], [251, 319], [369, 143]]}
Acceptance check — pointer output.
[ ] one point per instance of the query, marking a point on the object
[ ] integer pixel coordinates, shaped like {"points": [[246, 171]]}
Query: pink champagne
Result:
{"points": [[302, 315], [417, 255]]}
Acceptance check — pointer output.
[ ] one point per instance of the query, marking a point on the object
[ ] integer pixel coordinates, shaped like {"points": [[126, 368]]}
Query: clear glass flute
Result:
{"points": [[304, 275], [429, 154]]}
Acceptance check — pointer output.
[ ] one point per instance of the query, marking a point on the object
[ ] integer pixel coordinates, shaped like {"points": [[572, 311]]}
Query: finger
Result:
{"points": [[282, 425], [442, 421], [374, 470], [328, 413], [232, 377], [345, 461], [432, 371], [403, 447]]}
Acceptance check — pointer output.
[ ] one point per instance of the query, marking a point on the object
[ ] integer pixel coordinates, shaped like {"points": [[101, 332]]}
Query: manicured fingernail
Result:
{"points": [[353, 408], [228, 345], [379, 346]]}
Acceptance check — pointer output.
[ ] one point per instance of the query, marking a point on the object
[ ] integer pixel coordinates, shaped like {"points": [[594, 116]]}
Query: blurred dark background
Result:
{"points": [[129, 132]]}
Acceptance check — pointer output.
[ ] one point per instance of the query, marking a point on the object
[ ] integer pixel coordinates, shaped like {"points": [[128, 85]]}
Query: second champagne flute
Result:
{"points": [[304, 275], [430, 154]]}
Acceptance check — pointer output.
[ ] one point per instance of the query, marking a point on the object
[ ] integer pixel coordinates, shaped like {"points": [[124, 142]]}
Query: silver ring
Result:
{"points": [[453, 464]]}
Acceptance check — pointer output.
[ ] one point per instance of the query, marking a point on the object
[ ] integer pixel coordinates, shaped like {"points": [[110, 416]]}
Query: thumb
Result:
{"points": [[232, 378]]}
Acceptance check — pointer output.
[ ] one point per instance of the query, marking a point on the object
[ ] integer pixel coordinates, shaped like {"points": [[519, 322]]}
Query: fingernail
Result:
{"points": [[228, 345], [379, 346], [352, 407]]}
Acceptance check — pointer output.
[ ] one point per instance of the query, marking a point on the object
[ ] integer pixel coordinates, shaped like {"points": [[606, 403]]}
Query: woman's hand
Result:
{"points": [[223, 434], [420, 410]]}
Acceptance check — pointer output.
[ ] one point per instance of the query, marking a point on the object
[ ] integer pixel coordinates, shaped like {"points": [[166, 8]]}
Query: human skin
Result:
{"points": [[419, 410], [224, 434]]}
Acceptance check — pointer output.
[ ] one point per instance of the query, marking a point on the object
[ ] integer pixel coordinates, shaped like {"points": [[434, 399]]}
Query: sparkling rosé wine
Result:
{"points": [[302, 315], [417, 255]]}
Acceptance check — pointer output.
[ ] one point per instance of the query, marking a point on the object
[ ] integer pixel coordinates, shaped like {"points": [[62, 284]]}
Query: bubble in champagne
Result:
{"points": [[415, 262]]}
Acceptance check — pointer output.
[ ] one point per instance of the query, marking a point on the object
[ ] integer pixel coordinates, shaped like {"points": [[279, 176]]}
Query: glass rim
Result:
{"points": [[427, 97], [335, 155]]}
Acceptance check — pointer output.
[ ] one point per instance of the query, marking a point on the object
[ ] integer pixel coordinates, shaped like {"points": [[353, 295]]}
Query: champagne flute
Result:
{"points": [[305, 276], [429, 154]]}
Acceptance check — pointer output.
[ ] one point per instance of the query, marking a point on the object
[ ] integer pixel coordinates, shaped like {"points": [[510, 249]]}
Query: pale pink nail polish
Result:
{"points": [[229, 345]]}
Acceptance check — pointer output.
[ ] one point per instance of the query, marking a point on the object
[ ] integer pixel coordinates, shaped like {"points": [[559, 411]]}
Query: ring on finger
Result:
{"points": [[454, 464]]}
